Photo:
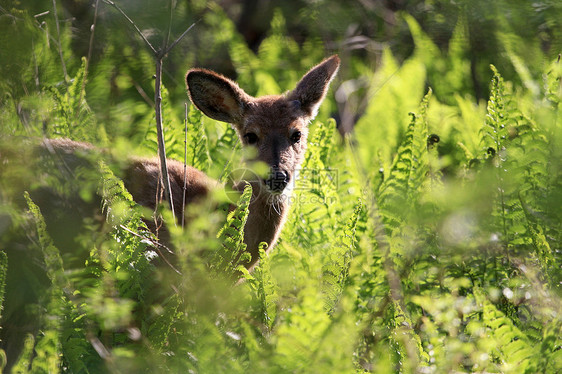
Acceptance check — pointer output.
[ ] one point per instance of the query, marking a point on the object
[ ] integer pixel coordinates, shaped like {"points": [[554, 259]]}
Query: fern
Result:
{"points": [[451, 265], [511, 344], [420, 156], [265, 290], [232, 254], [494, 133], [129, 232], [173, 138], [299, 336], [552, 84], [227, 148], [336, 268], [407, 343], [509, 216], [198, 155], [316, 190], [73, 116], [158, 330], [48, 346], [408, 172], [3, 274], [53, 260]]}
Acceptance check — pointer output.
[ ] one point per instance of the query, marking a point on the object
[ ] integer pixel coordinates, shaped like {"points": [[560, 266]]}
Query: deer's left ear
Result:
{"points": [[312, 88], [216, 96]]}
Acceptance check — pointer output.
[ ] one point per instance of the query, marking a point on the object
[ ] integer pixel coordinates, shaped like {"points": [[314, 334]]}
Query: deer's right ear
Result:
{"points": [[216, 96], [312, 88]]}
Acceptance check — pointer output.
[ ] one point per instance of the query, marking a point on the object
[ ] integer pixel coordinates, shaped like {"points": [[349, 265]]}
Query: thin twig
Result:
{"points": [[90, 47], [143, 94], [41, 14], [59, 41], [167, 38], [158, 56], [156, 246], [184, 170], [392, 277], [160, 133], [166, 51], [109, 2], [152, 242], [36, 71]]}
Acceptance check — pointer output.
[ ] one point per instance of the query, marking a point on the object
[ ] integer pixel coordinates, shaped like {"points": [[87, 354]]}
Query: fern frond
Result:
{"points": [[233, 250], [158, 331], [265, 289], [336, 268], [300, 335], [48, 345], [512, 346], [316, 190], [198, 154], [407, 342], [3, 274], [494, 132], [126, 220], [53, 260], [398, 193], [73, 117], [173, 137]]}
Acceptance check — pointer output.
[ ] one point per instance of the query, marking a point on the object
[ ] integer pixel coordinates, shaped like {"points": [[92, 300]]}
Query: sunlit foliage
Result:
{"points": [[428, 240]]}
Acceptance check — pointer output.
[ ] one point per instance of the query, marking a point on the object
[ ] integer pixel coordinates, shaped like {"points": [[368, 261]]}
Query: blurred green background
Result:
{"points": [[503, 33]]}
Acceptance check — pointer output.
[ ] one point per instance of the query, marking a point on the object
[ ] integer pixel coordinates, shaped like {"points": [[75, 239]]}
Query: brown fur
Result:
{"points": [[274, 120]]}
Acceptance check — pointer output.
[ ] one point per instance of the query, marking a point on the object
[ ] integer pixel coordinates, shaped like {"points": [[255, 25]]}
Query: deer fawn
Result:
{"points": [[277, 126]]}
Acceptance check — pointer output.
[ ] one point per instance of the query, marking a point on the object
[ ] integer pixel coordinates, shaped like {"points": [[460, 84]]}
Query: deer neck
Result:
{"points": [[266, 216]]}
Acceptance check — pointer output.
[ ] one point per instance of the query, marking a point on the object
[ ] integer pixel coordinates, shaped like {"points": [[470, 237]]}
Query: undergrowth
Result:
{"points": [[426, 241]]}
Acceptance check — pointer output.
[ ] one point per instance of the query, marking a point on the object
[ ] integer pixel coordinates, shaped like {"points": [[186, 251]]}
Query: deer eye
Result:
{"points": [[296, 137], [251, 138]]}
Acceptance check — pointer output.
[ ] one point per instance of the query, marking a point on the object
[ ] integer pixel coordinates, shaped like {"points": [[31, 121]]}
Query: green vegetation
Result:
{"points": [[427, 240]]}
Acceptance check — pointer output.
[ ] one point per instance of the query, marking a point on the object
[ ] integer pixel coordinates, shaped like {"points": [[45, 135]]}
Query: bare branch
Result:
{"points": [[158, 56], [59, 42], [143, 94], [109, 2], [90, 47], [184, 170], [167, 50], [160, 133], [42, 14], [168, 32]]}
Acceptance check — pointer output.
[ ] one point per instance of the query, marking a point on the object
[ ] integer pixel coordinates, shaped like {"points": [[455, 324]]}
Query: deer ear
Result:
{"points": [[312, 88], [216, 96]]}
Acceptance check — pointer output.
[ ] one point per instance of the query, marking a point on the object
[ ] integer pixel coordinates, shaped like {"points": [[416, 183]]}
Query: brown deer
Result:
{"points": [[277, 126]]}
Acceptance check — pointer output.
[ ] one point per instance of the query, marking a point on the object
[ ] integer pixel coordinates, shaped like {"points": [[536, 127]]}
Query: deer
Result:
{"points": [[277, 127]]}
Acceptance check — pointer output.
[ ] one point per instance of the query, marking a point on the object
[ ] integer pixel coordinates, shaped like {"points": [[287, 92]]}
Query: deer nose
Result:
{"points": [[278, 179]]}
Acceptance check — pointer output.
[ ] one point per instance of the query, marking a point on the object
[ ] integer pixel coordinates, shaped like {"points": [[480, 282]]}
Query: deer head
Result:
{"points": [[276, 125]]}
